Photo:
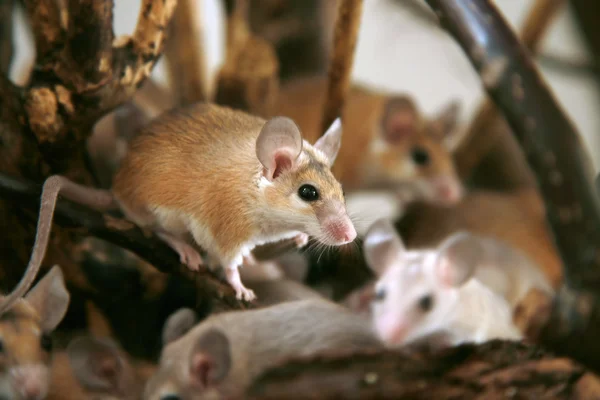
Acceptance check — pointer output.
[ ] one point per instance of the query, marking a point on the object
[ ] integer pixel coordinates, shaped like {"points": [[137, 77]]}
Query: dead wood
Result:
{"points": [[340, 67], [249, 78], [556, 155], [496, 370], [485, 131], [184, 59]]}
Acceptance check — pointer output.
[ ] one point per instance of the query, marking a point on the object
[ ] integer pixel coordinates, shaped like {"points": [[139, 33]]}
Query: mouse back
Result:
{"points": [[25, 340], [224, 353]]}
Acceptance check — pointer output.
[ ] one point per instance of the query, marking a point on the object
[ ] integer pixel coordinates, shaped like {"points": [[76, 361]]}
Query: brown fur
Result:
{"points": [[303, 101], [201, 160], [515, 218]]}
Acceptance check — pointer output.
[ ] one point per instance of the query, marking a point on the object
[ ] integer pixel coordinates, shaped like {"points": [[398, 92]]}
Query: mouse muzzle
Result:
{"points": [[30, 381], [336, 227]]}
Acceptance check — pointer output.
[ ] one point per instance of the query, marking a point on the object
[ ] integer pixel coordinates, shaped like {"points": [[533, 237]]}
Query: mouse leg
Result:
{"points": [[234, 279], [188, 255], [301, 240]]}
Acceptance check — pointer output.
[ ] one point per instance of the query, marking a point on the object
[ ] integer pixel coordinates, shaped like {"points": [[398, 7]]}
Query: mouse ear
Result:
{"points": [[457, 258], [382, 246], [331, 141], [50, 299], [278, 146], [210, 360], [444, 125], [178, 324], [400, 119], [98, 364]]}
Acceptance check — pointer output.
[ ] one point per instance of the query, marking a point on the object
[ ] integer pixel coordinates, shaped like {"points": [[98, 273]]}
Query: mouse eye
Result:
{"points": [[426, 302], [380, 294], [46, 342], [420, 156], [308, 193]]}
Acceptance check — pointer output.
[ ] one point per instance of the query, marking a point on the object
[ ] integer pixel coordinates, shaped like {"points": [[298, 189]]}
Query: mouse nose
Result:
{"points": [[30, 381], [341, 230], [449, 191]]}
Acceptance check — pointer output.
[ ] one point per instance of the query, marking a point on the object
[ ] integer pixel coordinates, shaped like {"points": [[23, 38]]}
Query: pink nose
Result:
{"points": [[449, 192], [30, 382], [341, 230]]}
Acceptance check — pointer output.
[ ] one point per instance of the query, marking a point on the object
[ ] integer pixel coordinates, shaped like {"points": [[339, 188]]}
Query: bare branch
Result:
{"points": [[558, 158], [46, 19], [342, 59], [475, 144], [122, 233], [497, 369], [184, 59]]}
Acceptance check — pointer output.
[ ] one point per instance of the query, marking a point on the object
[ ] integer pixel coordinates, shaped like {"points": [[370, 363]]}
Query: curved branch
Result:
{"points": [[122, 233], [340, 68]]}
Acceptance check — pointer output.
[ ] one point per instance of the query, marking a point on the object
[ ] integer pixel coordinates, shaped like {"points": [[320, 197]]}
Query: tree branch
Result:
{"points": [[185, 61], [122, 233], [496, 369], [475, 144], [48, 23], [340, 68], [557, 157]]}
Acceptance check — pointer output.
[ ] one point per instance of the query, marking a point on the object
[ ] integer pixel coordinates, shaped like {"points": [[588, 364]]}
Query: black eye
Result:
{"points": [[420, 156], [380, 294], [46, 342], [308, 193], [426, 302]]}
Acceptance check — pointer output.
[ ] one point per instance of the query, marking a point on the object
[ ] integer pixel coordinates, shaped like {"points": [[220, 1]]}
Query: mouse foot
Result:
{"points": [[188, 255], [241, 292], [301, 240]]}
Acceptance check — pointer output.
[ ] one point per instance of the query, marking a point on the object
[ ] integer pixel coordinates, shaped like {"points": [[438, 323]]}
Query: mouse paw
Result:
{"points": [[244, 294], [188, 255], [301, 240], [241, 292]]}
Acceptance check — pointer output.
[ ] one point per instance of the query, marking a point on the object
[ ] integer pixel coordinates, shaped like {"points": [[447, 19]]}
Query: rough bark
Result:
{"points": [[185, 62], [342, 59], [485, 131], [558, 158], [494, 370]]}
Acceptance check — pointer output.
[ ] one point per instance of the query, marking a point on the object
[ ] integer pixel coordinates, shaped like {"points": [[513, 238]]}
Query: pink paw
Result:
{"points": [[241, 292], [244, 293], [301, 240]]}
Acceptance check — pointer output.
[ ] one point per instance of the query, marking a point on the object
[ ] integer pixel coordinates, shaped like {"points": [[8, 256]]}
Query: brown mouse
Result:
{"points": [[221, 356], [227, 179], [25, 341], [388, 141], [95, 368]]}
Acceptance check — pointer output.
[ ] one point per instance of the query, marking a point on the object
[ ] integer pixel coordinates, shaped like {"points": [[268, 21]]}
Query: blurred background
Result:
{"points": [[401, 49]]}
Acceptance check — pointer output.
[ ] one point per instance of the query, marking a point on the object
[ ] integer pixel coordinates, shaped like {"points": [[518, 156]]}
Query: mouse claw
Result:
{"points": [[241, 292], [301, 240], [245, 294]]}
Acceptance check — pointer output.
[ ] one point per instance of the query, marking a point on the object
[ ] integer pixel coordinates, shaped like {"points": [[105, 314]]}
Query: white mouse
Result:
{"points": [[431, 292]]}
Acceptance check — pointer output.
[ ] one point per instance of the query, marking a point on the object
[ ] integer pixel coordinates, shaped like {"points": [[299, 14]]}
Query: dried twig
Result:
{"points": [[122, 233], [496, 369], [342, 58], [479, 139], [184, 59], [558, 158]]}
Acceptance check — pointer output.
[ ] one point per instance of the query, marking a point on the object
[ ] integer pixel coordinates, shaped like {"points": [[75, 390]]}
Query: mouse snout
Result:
{"points": [[447, 190], [339, 229], [391, 331], [30, 381]]}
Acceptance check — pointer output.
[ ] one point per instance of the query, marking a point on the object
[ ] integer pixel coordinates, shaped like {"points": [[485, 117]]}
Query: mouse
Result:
{"points": [[434, 292], [222, 355], [221, 178], [26, 341], [389, 144], [95, 368]]}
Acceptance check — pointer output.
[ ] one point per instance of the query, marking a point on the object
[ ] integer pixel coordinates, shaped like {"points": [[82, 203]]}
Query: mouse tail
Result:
{"points": [[94, 198]]}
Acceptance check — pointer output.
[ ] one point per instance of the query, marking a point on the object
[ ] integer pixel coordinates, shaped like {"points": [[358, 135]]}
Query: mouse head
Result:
{"points": [[102, 369], [298, 184], [414, 155], [25, 342], [417, 290], [196, 369]]}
